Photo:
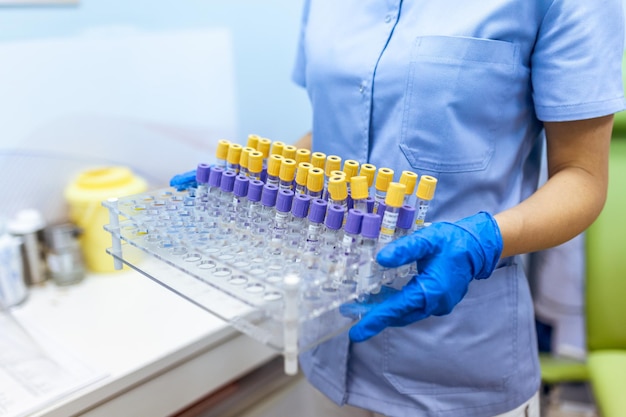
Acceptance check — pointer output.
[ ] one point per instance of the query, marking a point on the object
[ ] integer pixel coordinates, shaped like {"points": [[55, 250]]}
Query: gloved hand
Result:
{"points": [[448, 256], [183, 181]]}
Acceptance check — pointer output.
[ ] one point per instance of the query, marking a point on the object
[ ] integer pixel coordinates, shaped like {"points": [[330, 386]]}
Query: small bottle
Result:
{"points": [[263, 146], [333, 232], [409, 179], [240, 191], [315, 227], [227, 185], [29, 226], [383, 178], [255, 190], [281, 219], [393, 202], [64, 257], [404, 227], [13, 290], [215, 178], [221, 153], [425, 193], [351, 169], [352, 229]]}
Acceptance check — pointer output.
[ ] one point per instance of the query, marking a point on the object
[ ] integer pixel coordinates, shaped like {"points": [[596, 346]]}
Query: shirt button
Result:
{"points": [[362, 87], [388, 18]]}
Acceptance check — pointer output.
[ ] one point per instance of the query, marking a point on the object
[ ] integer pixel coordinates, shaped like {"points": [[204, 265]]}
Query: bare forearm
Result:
{"points": [[572, 197]]}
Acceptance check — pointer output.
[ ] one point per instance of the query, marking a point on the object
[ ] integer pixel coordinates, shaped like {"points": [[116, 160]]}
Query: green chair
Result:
{"points": [[605, 301], [606, 292]]}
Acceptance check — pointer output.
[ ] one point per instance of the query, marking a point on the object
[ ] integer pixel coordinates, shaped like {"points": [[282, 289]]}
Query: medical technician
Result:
{"points": [[466, 91]]}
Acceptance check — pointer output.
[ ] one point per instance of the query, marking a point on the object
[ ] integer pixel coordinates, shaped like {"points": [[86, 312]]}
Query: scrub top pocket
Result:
{"points": [[443, 129]]}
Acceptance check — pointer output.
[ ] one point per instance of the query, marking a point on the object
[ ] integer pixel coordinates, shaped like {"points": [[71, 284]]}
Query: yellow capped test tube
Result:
{"points": [[221, 153], [287, 173], [233, 157], [383, 179], [263, 146], [289, 152], [273, 169], [277, 148], [333, 163], [393, 201], [303, 155], [315, 182], [359, 191], [253, 141], [244, 158], [318, 160], [351, 168], [302, 173], [338, 191], [255, 165], [425, 193], [369, 171], [408, 178]]}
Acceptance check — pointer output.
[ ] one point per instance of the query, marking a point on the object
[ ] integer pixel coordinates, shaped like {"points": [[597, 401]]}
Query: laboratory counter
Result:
{"points": [[148, 351]]}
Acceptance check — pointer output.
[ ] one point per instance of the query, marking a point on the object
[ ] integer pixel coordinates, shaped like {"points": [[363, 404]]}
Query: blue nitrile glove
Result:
{"points": [[183, 181], [448, 256]]}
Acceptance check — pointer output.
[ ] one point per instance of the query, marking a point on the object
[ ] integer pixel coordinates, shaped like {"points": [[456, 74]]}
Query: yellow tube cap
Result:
{"points": [[318, 159], [245, 156], [222, 149], [234, 153], [351, 168], [409, 178], [287, 169], [369, 171], [395, 194], [315, 180], [426, 187], [273, 165], [303, 155], [264, 146], [358, 187], [338, 188], [289, 151], [384, 177], [255, 162], [333, 163], [253, 141], [337, 173], [277, 148], [302, 173]]}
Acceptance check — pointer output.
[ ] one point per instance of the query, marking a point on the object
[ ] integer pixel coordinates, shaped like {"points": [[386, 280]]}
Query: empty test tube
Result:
{"points": [[425, 193], [302, 174], [240, 191], [281, 219], [409, 179], [383, 178], [393, 201], [287, 173], [359, 193], [227, 184], [221, 153], [404, 227], [315, 182]]}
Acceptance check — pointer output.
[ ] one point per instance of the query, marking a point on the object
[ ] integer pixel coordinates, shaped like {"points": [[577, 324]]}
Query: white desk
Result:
{"points": [[160, 352]]}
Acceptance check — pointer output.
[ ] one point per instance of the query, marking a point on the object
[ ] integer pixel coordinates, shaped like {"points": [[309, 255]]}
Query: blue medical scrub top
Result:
{"points": [[456, 89]]}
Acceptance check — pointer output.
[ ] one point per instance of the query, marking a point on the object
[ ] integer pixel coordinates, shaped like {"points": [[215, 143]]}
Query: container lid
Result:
{"points": [[253, 141], [315, 180], [277, 148], [289, 152], [228, 181], [269, 194], [302, 173], [264, 147], [317, 210], [406, 217], [234, 153], [287, 169], [351, 168], [284, 200], [334, 217], [255, 162], [369, 171], [318, 159], [300, 206], [303, 155], [273, 165], [337, 188], [101, 183], [222, 149], [202, 173], [370, 204], [333, 163], [408, 178], [353, 222], [255, 189], [241, 186], [383, 178], [25, 222], [358, 187], [215, 177], [395, 195], [426, 187], [370, 226]]}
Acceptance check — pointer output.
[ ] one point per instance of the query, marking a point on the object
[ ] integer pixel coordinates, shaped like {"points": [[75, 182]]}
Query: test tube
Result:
{"points": [[253, 141], [333, 163], [369, 247], [315, 182], [318, 160], [299, 212], [287, 173], [203, 172], [227, 185], [255, 190], [393, 201], [409, 179], [240, 191], [277, 148], [359, 193], [244, 159], [404, 227], [233, 157], [303, 155], [317, 213], [221, 153], [281, 218], [268, 200], [302, 174], [338, 192], [289, 152], [333, 222], [352, 229], [425, 193], [255, 165], [263, 146], [368, 171], [273, 169], [383, 178], [215, 178], [351, 169]]}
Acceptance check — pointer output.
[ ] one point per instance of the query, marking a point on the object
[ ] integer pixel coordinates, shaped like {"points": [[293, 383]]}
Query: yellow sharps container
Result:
{"points": [[85, 196]]}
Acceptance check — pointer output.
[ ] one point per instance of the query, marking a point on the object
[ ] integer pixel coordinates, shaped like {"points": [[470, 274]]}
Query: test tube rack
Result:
{"points": [[159, 234]]}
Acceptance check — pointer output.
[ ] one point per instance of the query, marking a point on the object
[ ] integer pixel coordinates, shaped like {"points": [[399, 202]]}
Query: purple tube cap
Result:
{"points": [[406, 217], [334, 217], [241, 186], [318, 210], [202, 173], [227, 182], [300, 206], [370, 227], [284, 201], [269, 194], [255, 189], [215, 177], [381, 209], [353, 222]]}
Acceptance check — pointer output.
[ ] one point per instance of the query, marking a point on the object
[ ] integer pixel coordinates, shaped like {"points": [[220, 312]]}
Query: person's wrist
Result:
{"points": [[485, 231]]}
